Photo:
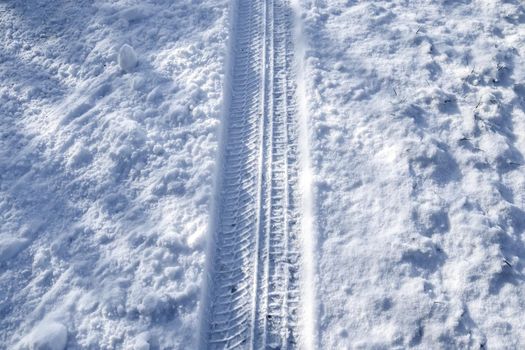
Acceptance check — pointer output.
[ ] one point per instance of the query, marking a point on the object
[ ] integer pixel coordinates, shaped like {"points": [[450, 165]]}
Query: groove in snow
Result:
{"points": [[254, 291]]}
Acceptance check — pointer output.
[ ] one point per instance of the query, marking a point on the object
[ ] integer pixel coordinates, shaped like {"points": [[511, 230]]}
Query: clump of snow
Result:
{"points": [[141, 342], [80, 156], [127, 58], [47, 335]]}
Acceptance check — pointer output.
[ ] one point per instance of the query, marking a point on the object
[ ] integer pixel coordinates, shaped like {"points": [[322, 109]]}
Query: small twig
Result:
{"points": [[479, 102]]}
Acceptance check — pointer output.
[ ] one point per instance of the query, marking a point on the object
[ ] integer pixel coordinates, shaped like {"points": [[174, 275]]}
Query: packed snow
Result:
{"points": [[412, 124], [417, 129]]}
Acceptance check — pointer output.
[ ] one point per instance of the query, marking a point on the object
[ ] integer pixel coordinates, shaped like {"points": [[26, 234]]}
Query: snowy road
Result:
{"points": [[254, 291]]}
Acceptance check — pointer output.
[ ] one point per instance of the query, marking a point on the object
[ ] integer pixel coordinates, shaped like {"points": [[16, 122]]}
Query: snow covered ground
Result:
{"points": [[106, 165], [418, 143], [109, 119]]}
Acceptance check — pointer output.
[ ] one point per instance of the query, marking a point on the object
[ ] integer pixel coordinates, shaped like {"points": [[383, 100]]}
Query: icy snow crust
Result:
{"points": [[106, 170], [417, 126]]}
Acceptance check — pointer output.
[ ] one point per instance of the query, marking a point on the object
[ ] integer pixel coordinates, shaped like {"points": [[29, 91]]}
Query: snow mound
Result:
{"points": [[46, 336], [127, 58]]}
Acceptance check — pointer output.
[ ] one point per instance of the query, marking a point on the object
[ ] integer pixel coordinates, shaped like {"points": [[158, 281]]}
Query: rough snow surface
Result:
{"points": [[414, 113], [417, 130], [105, 174]]}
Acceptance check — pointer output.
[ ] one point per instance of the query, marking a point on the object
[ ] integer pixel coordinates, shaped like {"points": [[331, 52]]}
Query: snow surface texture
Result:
{"points": [[254, 299], [418, 142], [106, 161], [417, 135]]}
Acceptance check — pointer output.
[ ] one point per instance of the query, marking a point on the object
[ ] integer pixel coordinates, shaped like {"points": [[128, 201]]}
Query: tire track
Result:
{"points": [[254, 296]]}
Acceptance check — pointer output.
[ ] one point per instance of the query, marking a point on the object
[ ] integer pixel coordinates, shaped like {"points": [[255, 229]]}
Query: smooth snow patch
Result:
{"points": [[48, 335], [309, 322], [10, 247]]}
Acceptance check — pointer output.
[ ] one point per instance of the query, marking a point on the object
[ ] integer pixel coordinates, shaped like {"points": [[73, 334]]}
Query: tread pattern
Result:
{"points": [[255, 278]]}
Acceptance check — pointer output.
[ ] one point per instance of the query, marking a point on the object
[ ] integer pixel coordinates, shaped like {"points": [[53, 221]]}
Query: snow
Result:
{"points": [[127, 58], [412, 142], [106, 169], [308, 238], [10, 247], [416, 125], [46, 336]]}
